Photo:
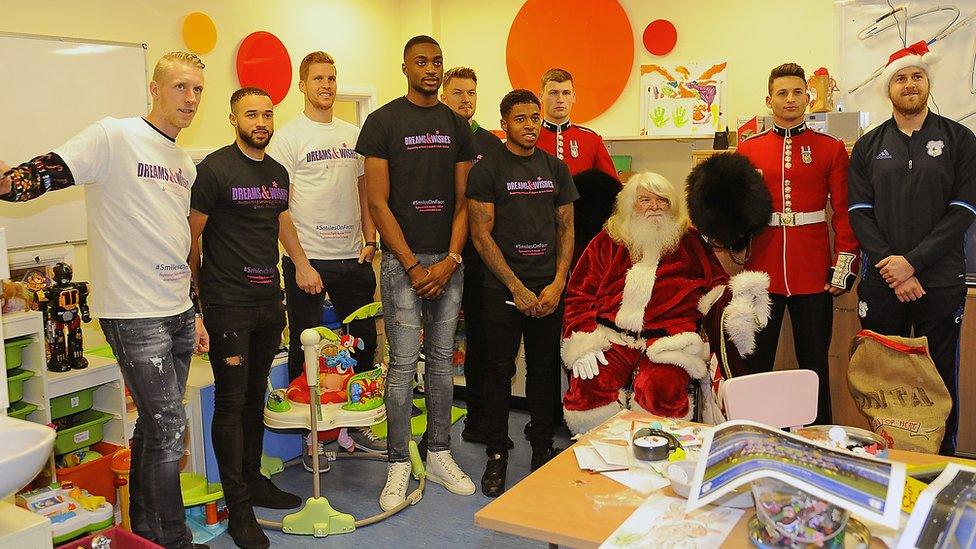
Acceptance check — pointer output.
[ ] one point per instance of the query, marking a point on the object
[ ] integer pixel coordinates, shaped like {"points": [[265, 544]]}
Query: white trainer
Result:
{"points": [[395, 491], [442, 469]]}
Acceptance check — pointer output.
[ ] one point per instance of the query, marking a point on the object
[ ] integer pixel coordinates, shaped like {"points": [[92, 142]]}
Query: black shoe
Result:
{"points": [[493, 481], [264, 493], [527, 430], [542, 457], [477, 436], [244, 529]]}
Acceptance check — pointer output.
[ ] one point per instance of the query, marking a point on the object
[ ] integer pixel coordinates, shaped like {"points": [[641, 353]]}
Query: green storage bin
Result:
{"points": [[72, 403], [86, 431], [15, 384], [14, 351], [21, 410]]}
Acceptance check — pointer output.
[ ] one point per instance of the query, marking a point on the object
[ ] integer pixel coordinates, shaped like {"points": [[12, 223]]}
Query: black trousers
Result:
{"points": [[350, 285], [243, 342], [938, 316], [476, 351], [812, 318], [505, 327]]}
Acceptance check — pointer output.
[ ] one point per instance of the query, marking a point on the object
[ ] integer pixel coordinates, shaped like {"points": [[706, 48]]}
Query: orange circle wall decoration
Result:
{"points": [[263, 62], [592, 39], [199, 33], [660, 37]]}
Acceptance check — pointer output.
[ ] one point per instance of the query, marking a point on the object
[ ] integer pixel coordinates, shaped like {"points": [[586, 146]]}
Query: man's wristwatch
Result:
{"points": [[456, 257]]}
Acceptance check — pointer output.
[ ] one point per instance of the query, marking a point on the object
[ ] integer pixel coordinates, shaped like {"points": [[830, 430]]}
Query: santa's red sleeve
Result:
{"points": [[581, 333]]}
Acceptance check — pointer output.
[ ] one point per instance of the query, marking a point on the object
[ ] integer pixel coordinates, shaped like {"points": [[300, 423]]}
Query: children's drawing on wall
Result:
{"points": [[683, 100]]}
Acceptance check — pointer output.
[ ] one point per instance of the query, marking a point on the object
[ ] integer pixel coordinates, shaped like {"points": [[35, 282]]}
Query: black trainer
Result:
{"points": [[542, 457], [493, 481], [264, 493], [244, 529]]}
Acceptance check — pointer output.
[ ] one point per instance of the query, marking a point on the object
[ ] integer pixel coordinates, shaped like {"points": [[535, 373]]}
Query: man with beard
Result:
{"points": [[240, 206], [912, 196], [802, 169], [460, 92], [521, 215], [418, 153], [634, 305]]}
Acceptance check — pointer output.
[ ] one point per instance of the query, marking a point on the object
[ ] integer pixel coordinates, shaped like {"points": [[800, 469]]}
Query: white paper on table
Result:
{"points": [[613, 454], [663, 520], [589, 459], [639, 480]]}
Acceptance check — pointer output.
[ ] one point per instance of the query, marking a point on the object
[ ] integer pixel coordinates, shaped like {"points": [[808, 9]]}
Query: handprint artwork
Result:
{"points": [[685, 100]]}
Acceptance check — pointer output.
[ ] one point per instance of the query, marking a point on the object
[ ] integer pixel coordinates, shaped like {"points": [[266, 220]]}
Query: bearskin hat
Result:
{"points": [[728, 201], [597, 193]]}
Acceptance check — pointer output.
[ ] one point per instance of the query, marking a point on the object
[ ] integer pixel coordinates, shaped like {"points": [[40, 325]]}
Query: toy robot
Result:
{"points": [[65, 306]]}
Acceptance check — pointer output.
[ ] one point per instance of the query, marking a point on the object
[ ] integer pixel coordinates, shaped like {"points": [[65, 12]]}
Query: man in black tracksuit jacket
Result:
{"points": [[911, 197]]}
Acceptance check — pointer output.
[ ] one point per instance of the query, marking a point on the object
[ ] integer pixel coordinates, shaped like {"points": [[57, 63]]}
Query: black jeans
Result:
{"points": [[350, 285], [243, 342], [938, 316], [154, 356], [812, 318], [505, 327], [476, 344]]}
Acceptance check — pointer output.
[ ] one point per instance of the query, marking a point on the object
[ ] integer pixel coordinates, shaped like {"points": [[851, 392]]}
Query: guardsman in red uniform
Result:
{"points": [[582, 149], [803, 169]]}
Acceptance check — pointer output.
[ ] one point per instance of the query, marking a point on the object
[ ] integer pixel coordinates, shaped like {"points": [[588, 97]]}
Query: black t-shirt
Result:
{"points": [[243, 198], [526, 191], [422, 146], [484, 141]]}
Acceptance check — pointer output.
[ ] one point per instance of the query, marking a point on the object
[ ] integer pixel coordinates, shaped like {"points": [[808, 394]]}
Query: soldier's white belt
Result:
{"points": [[795, 219]]}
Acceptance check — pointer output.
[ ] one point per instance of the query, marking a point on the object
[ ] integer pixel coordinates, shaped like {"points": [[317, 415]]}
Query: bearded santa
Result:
{"points": [[635, 305]]}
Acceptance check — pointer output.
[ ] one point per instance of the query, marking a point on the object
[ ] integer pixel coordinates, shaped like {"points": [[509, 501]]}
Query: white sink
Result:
{"points": [[24, 449]]}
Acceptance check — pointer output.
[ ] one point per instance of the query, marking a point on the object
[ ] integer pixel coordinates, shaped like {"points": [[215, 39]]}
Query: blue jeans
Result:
{"points": [[404, 315], [154, 356]]}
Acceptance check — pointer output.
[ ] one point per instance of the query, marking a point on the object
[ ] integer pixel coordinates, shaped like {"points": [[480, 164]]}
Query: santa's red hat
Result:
{"points": [[916, 55]]}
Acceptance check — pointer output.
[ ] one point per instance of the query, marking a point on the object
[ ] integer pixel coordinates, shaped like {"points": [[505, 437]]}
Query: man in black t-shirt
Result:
{"points": [[520, 203], [238, 204], [418, 154], [460, 92]]}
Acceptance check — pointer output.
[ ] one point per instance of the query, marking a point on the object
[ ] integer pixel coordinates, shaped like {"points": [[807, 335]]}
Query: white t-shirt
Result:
{"points": [[323, 169], [137, 198]]}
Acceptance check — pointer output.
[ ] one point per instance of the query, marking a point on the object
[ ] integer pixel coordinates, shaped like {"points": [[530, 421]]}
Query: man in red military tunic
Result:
{"points": [[803, 169], [634, 304]]}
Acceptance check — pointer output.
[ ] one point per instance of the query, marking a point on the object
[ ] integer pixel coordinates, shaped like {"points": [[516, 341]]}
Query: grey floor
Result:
{"points": [[441, 519]]}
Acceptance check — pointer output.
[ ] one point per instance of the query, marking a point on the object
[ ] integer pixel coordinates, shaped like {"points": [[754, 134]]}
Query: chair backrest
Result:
{"points": [[783, 398]]}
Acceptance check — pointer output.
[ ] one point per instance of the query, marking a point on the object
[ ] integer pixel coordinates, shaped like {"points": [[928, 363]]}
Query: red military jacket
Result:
{"points": [[580, 148], [802, 169]]}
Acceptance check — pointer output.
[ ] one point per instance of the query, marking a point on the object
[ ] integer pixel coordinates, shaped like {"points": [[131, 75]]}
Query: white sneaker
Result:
{"points": [[395, 491], [442, 469]]}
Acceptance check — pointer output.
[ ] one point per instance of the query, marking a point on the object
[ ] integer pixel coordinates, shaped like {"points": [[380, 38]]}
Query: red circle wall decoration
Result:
{"points": [[263, 62], [592, 39], [660, 37]]}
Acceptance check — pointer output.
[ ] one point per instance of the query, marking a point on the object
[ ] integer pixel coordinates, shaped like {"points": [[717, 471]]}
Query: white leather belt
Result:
{"points": [[795, 219]]}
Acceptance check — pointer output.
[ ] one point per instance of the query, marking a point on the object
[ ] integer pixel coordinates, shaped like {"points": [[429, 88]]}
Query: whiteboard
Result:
{"points": [[952, 75], [52, 89]]}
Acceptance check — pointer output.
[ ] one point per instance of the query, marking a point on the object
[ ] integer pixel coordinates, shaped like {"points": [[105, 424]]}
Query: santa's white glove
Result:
{"points": [[588, 365]]}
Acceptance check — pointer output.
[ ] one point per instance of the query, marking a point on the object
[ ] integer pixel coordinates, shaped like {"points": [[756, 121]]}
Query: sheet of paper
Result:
{"points": [[661, 521], [589, 459], [614, 454], [639, 480]]}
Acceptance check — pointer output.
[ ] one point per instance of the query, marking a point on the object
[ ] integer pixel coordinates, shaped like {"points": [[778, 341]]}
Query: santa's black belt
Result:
{"points": [[643, 334]]}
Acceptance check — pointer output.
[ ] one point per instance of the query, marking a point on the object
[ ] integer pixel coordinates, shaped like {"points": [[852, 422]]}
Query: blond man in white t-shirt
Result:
{"points": [[138, 197], [328, 206]]}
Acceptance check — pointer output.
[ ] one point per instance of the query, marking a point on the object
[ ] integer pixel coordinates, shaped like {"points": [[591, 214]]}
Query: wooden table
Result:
{"points": [[556, 504]]}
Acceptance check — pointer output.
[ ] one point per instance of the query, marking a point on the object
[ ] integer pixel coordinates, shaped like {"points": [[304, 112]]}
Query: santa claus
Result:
{"points": [[636, 303]]}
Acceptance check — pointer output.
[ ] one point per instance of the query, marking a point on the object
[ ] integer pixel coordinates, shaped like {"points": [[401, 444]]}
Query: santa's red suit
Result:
{"points": [[802, 168], [645, 318]]}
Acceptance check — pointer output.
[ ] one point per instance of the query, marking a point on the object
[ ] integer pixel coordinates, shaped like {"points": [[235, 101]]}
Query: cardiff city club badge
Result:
{"points": [[574, 148], [935, 148], [806, 154]]}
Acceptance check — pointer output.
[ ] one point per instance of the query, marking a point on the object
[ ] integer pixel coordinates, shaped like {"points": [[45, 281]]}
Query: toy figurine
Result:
{"points": [[65, 306]]}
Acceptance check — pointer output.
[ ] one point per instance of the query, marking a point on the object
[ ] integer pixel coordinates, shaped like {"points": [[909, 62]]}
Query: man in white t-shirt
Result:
{"points": [[138, 197], [328, 207]]}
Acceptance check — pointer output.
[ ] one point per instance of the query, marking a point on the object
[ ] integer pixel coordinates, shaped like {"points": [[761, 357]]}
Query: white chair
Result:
{"points": [[782, 398]]}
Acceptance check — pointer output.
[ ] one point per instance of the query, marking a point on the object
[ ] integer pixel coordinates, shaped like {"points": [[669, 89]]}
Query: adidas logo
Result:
{"points": [[883, 155]]}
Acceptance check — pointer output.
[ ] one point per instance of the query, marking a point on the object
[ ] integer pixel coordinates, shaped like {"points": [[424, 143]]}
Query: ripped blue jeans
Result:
{"points": [[154, 356]]}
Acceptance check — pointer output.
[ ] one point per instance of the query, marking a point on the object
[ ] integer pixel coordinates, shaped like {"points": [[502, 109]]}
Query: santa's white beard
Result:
{"points": [[653, 236]]}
